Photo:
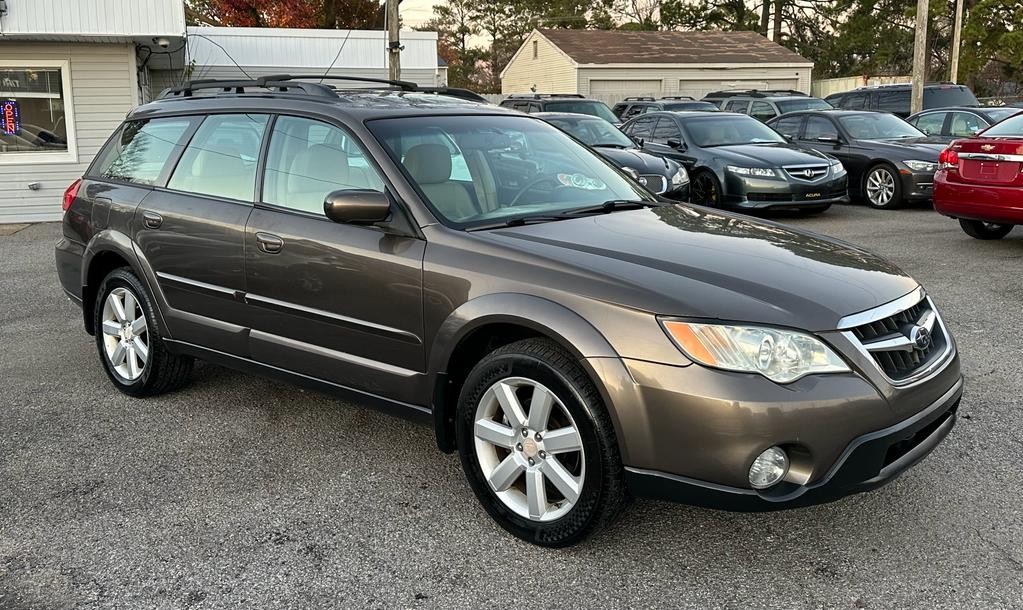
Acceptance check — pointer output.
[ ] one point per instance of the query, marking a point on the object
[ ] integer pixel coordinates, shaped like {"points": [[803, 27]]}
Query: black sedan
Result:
{"points": [[659, 175], [947, 124], [889, 161], [737, 161]]}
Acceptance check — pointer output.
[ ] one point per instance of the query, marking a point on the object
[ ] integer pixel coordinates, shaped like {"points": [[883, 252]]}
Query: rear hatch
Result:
{"points": [[991, 161]]}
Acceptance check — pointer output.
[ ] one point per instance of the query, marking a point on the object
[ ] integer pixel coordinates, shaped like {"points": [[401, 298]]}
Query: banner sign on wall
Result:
{"points": [[10, 117]]}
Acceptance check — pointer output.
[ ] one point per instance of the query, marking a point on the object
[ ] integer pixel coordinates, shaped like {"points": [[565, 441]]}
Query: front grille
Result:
{"points": [[890, 340], [807, 173], [654, 183]]}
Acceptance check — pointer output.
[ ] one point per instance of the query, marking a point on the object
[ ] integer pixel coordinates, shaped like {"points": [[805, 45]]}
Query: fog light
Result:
{"points": [[769, 468]]}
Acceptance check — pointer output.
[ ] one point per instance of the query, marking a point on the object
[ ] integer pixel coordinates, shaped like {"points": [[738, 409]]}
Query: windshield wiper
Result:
{"points": [[611, 206], [519, 221], [607, 145]]}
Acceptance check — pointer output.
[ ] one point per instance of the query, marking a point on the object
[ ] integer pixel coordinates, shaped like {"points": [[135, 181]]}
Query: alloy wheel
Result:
{"points": [[529, 449], [881, 187], [704, 190], [125, 334]]}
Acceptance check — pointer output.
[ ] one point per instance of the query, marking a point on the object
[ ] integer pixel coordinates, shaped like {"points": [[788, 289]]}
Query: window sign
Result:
{"points": [[10, 115], [32, 112]]}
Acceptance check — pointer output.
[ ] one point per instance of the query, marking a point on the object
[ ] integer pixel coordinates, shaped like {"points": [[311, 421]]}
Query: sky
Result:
{"points": [[416, 12]]}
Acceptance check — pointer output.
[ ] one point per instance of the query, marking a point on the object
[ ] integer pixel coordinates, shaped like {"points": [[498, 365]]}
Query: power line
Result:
{"points": [[341, 48], [249, 76]]}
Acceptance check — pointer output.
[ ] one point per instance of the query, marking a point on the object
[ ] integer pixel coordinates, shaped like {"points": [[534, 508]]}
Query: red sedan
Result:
{"points": [[980, 180]]}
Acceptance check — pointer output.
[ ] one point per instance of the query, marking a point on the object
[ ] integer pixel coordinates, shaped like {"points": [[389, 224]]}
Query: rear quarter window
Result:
{"points": [[140, 151]]}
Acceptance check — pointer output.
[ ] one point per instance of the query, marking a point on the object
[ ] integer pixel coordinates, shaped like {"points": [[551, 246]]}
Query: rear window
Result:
{"points": [[810, 103], [949, 95], [139, 151], [583, 107], [1009, 128]]}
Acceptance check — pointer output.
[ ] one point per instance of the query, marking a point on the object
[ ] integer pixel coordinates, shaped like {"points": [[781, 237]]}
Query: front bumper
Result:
{"points": [[761, 193], [868, 462], [917, 186]]}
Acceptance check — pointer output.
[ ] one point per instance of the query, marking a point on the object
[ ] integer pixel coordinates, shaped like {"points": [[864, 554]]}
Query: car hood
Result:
{"points": [[768, 155], [644, 163], [925, 149], [684, 260]]}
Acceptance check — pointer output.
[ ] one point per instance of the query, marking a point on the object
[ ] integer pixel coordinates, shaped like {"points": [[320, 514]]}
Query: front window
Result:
{"points": [[33, 114], [728, 131], [1009, 128], [810, 103], [598, 109], [878, 126], [594, 132], [514, 168]]}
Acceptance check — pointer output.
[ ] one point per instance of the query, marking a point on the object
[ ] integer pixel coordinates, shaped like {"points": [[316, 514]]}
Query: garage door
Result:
{"points": [[625, 88], [700, 88]]}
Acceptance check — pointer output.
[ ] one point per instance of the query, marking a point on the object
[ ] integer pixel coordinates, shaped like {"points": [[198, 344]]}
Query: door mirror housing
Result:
{"points": [[675, 143], [789, 138], [835, 139], [357, 207]]}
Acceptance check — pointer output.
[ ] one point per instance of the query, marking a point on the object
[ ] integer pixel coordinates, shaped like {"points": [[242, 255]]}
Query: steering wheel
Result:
{"points": [[533, 184]]}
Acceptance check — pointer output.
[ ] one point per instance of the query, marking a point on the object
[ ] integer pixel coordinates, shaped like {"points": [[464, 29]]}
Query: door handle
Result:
{"points": [[269, 243], [152, 220]]}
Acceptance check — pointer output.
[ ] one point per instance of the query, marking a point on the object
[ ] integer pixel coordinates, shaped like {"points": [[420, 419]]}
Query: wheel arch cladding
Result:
{"points": [[105, 252], [484, 324]]}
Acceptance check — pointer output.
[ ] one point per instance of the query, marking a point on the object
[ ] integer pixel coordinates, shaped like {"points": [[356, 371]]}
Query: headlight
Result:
{"points": [[680, 177], [921, 166], [834, 162], [782, 356], [755, 172]]}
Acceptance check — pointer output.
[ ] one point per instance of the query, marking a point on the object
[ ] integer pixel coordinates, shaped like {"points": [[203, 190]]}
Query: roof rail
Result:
{"points": [[677, 97], [285, 83], [753, 93], [639, 98], [537, 96], [458, 92]]}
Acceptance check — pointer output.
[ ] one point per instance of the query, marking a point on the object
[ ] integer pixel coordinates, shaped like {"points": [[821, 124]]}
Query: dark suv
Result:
{"points": [[896, 98], [765, 106], [574, 338], [634, 106], [559, 102]]}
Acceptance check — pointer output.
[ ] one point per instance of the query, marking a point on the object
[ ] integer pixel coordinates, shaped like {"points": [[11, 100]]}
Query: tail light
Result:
{"points": [[70, 194], [948, 159]]}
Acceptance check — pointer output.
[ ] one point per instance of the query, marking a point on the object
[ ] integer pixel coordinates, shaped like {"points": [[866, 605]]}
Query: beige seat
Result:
{"points": [[218, 170], [483, 181], [314, 173], [430, 167]]}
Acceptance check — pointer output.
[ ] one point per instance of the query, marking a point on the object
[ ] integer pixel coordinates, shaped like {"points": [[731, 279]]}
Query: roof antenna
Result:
{"points": [[341, 48]]}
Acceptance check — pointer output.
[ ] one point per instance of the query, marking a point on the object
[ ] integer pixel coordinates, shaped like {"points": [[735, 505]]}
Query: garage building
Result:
{"points": [[611, 65]]}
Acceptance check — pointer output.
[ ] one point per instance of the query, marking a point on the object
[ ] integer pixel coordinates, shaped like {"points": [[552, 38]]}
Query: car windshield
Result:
{"points": [[878, 126], [706, 106], [594, 132], [480, 171], [809, 103], [729, 130], [598, 109], [1009, 128], [1000, 114]]}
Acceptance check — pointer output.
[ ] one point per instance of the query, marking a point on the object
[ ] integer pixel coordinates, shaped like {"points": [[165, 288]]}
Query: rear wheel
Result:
{"points": [[705, 189], [537, 444], [130, 340], [984, 230], [883, 187]]}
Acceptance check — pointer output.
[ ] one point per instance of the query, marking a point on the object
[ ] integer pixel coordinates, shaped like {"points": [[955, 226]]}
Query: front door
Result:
{"points": [[192, 231], [337, 302]]}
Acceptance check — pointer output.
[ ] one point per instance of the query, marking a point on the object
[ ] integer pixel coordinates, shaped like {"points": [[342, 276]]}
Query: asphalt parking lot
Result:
{"points": [[241, 492]]}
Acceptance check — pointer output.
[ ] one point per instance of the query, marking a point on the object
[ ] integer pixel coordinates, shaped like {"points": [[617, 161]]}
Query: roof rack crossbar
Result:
{"points": [[281, 82], [538, 96], [639, 98]]}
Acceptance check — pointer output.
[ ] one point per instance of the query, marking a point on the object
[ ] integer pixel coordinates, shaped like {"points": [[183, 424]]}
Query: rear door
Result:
{"points": [[338, 302], [192, 231]]}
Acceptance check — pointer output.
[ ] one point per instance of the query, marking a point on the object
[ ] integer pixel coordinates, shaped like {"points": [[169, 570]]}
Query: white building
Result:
{"points": [[70, 70], [614, 64]]}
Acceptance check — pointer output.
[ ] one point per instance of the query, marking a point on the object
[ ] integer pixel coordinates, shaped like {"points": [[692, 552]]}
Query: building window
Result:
{"points": [[536, 51], [35, 114]]}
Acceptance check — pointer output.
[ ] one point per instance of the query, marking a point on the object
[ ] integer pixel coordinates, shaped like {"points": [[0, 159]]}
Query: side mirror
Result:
{"points": [[789, 138], [675, 143], [836, 140], [357, 207]]}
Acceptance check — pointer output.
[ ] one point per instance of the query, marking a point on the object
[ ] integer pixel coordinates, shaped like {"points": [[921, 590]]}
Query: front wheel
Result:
{"points": [[984, 230], [537, 444], [705, 189], [883, 187]]}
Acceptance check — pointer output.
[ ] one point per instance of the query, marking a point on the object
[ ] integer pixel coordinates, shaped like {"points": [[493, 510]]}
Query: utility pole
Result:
{"points": [[919, 57], [393, 43], [956, 42]]}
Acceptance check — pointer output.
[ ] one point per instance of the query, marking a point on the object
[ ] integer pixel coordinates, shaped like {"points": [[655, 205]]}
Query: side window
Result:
{"points": [[762, 111], [737, 106], [819, 127], [308, 160], [931, 123], [534, 107], [965, 124], [853, 101], [140, 151], [619, 109], [667, 129], [893, 101], [634, 110], [788, 126], [222, 156], [644, 128]]}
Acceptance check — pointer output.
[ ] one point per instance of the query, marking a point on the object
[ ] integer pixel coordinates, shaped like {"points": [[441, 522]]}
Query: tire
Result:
{"points": [[705, 189], [984, 230], [882, 187], [555, 518], [130, 340]]}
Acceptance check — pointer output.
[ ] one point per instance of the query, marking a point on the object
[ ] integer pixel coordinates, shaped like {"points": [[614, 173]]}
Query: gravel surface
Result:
{"points": [[238, 491]]}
